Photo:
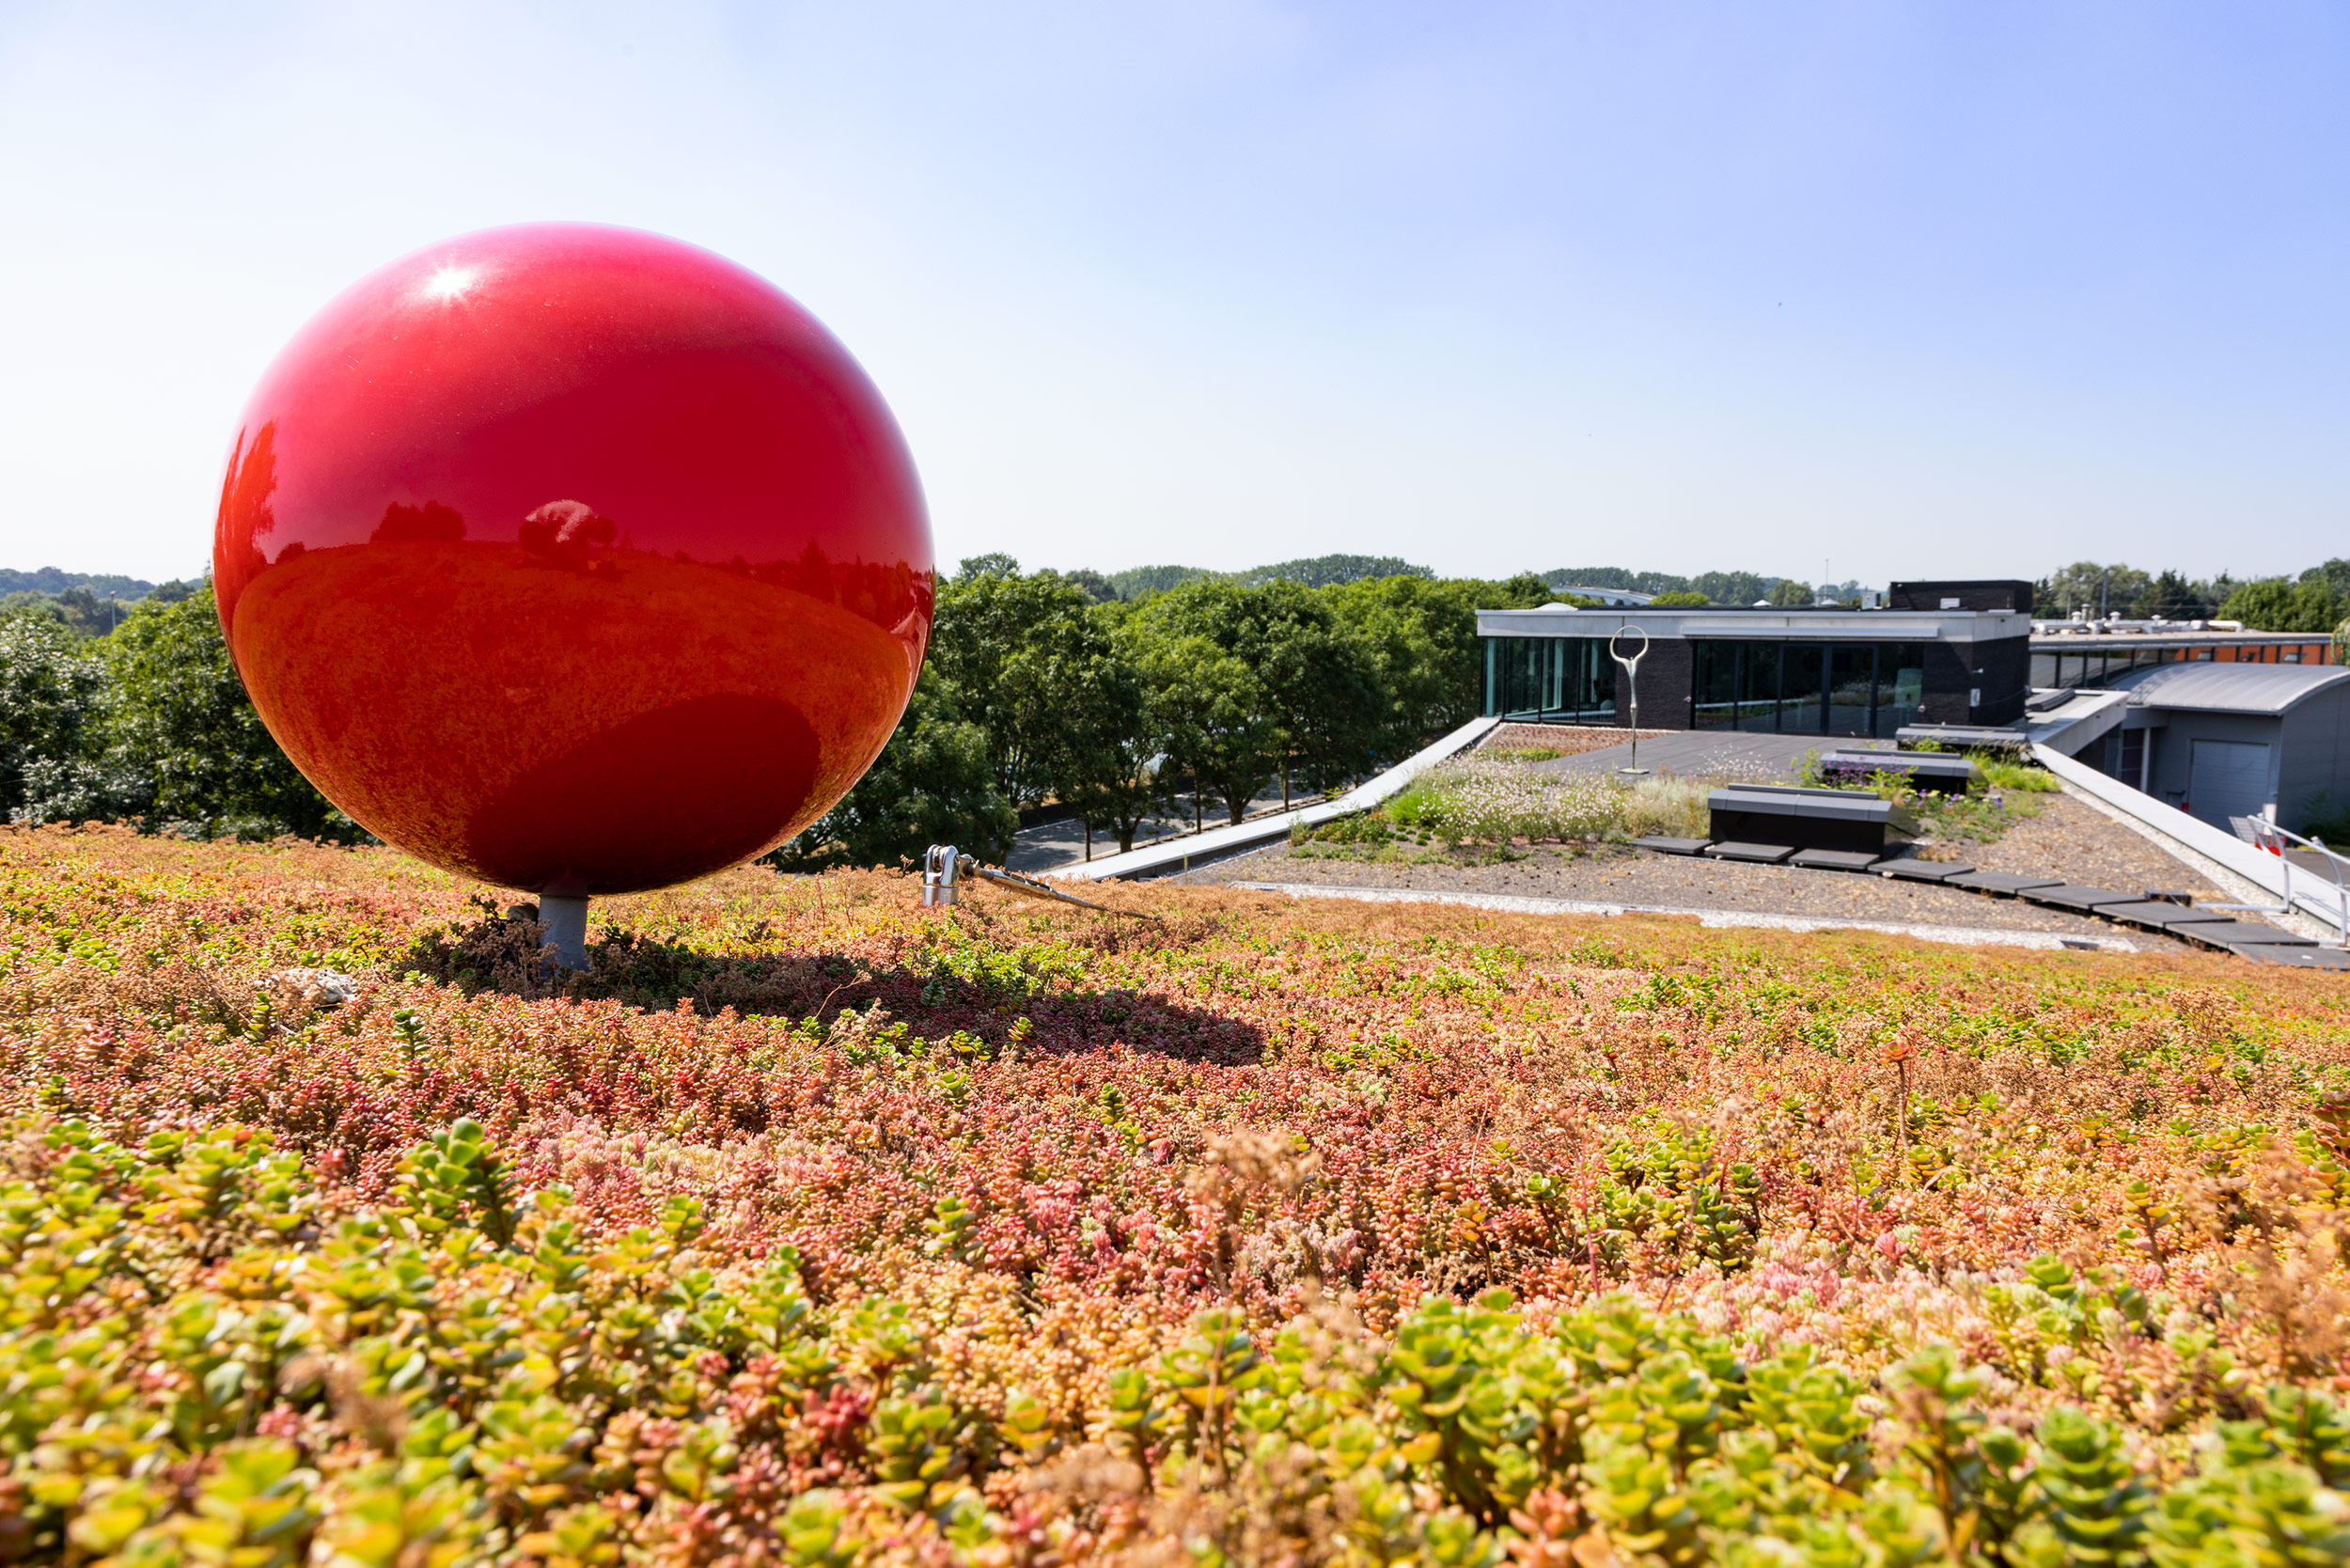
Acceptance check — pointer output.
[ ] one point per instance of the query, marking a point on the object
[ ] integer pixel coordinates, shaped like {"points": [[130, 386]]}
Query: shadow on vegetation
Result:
{"points": [[504, 954]]}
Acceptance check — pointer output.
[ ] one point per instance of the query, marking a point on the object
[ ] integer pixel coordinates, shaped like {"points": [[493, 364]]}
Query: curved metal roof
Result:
{"points": [[2213, 687]]}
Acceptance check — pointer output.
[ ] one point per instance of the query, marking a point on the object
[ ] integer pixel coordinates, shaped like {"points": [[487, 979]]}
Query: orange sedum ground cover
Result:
{"points": [[811, 1226]]}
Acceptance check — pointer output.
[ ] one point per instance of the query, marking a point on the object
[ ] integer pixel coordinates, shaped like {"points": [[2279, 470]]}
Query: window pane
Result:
{"points": [[1900, 685], [1802, 690], [1851, 680], [1713, 689], [1556, 678], [1754, 698], [1589, 689], [1518, 675]]}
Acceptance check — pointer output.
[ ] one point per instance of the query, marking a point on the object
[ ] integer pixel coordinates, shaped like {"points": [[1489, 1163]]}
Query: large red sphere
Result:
{"points": [[573, 558]]}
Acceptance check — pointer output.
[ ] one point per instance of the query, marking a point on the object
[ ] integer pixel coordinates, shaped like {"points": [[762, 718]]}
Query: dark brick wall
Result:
{"points": [[1972, 593], [1951, 671], [2006, 679], [1949, 676]]}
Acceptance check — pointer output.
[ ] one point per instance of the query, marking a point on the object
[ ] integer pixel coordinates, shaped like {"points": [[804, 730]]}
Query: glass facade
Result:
{"points": [[1808, 688], [1568, 680]]}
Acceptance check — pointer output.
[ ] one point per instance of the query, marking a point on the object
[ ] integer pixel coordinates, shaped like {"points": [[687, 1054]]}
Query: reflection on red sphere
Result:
{"points": [[573, 558]]}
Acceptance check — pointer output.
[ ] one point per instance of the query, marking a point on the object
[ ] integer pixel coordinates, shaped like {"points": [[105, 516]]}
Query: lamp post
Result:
{"points": [[1631, 665]]}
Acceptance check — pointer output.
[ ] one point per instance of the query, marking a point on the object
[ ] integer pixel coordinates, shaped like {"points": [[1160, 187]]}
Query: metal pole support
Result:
{"points": [[938, 876], [565, 916]]}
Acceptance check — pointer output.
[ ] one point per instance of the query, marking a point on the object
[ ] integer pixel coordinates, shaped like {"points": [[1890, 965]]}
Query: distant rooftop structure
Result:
{"points": [[2219, 739], [2082, 652], [1963, 593], [2078, 625], [1606, 596]]}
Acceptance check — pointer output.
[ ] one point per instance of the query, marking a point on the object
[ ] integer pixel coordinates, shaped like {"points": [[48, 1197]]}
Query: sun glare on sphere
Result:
{"points": [[451, 283]]}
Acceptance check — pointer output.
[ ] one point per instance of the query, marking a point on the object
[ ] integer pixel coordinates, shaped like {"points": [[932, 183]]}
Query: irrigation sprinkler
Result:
{"points": [[1631, 663]]}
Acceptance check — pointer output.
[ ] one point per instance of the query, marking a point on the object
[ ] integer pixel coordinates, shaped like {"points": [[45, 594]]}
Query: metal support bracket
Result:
{"points": [[944, 864]]}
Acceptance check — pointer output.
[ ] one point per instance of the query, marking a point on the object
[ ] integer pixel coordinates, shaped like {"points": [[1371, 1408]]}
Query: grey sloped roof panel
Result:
{"points": [[2229, 688]]}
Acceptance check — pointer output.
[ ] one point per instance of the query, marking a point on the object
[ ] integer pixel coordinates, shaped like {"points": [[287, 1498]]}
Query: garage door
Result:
{"points": [[2227, 779]]}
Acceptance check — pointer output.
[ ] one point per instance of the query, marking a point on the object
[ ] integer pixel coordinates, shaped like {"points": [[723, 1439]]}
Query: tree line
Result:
{"points": [[148, 722], [1727, 589], [2316, 600], [1041, 690], [1707, 587], [1037, 691]]}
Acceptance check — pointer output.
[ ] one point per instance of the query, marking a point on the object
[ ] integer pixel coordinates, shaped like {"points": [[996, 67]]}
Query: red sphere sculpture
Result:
{"points": [[573, 558]]}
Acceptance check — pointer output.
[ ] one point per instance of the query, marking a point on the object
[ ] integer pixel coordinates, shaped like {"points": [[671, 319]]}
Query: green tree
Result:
{"points": [[1114, 739], [1680, 600], [1429, 660], [1320, 681], [1000, 642], [1633, 582], [1791, 594], [1100, 588], [2334, 573], [1140, 582], [185, 739], [933, 784], [1310, 686], [2277, 604], [1525, 591], [1213, 710], [1731, 588], [2172, 596], [2108, 589], [1331, 571], [51, 691]]}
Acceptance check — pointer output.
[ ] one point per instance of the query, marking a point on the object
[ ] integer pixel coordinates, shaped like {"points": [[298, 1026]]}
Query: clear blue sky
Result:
{"points": [[1958, 288]]}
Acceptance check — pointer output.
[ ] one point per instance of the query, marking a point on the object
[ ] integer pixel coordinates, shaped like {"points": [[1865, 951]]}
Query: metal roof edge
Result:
{"points": [[1218, 842], [2146, 687]]}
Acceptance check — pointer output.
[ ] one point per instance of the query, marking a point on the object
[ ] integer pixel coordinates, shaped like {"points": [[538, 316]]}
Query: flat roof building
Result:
{"points": [[1801, 672], [2082, 653], [2223, 741]]}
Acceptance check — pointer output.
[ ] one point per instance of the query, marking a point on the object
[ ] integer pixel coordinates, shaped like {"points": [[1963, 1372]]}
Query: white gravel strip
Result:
{"points": [[1515, 904]]}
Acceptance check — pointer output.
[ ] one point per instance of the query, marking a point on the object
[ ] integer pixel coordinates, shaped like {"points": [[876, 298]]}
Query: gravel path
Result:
{"points": [[2079, 843], [2068, 840], [1568, 740]]}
